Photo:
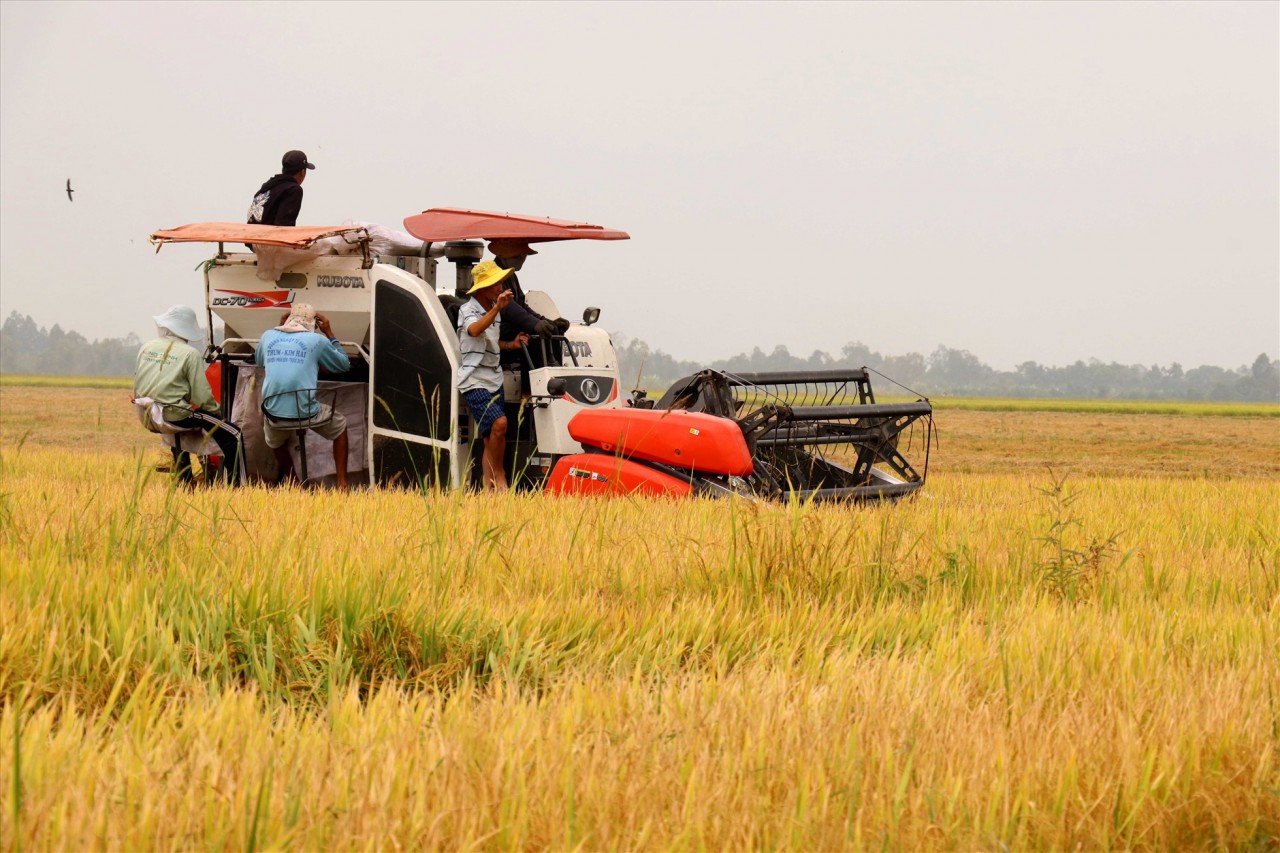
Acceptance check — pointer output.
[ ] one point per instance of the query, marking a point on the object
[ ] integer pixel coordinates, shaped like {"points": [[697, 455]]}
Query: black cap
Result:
{"points": [[293, 162]]}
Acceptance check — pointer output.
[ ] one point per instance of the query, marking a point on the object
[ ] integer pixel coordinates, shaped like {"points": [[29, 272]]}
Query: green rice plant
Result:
{"points": [[1068, 571]]}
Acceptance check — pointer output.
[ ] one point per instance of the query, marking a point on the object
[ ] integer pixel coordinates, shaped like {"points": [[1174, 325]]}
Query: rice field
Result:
{"points": [[1069, 640]]}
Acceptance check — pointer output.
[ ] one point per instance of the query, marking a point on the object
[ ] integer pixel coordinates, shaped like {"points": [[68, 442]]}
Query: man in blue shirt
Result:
{"points": [[293, 354]]}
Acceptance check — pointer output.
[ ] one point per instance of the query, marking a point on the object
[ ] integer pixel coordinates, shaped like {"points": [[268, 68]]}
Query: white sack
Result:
{"points": [[274, 260], [387, 241]]}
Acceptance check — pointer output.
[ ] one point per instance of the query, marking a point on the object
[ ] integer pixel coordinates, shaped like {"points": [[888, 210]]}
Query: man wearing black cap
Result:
{"points": [[517, 316], [278, 201]]}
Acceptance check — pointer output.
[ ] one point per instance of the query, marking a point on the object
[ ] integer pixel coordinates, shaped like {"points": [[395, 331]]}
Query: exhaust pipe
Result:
{"points": [[464, 254]]}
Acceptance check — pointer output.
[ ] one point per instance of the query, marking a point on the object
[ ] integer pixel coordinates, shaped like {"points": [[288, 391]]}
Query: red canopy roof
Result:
{"points": [[237, 232], [440, 224]]}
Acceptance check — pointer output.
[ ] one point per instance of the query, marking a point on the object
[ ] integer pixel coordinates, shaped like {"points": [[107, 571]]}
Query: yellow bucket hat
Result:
{"points": [[486, 274]]}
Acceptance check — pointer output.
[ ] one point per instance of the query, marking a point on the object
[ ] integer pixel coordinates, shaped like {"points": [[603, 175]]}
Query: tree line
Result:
{"points": [[948, 371], [28, 348]]}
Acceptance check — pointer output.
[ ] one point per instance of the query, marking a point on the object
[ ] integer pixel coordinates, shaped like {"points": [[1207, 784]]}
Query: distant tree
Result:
{"points": [[957, 370], [909, 369], [27, 348], [859, 355], [22, 344], [819, 360], [1263, 381]]}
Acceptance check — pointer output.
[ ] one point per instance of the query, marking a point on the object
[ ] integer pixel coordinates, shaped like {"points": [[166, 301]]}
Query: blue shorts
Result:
{"points": [[486, 407]]}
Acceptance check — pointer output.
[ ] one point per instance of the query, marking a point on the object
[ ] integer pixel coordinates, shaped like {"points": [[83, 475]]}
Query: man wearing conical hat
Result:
{"points": [[480, 370]]}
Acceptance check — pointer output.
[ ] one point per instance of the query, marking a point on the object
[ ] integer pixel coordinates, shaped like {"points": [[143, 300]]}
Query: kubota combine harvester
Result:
{"points": [[810, 435]]}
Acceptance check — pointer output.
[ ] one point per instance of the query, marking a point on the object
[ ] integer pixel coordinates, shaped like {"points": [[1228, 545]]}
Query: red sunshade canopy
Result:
{"points": [[236, 232], [440, 224]]}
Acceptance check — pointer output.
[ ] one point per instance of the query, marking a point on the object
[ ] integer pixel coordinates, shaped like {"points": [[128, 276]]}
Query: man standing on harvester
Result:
{"points": [[517, 316], [279, 200], [293, 354], [480, 371]]}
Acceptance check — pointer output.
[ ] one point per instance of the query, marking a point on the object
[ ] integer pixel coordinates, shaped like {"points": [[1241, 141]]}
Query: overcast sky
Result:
{"points": [[1027, 181]]}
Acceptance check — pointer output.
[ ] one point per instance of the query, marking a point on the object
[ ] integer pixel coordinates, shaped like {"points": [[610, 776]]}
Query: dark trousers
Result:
{"points": [[225, 434]]}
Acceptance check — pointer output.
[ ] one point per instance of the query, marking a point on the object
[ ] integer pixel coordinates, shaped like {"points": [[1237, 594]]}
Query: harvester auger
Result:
{"points": [[812, 434]]}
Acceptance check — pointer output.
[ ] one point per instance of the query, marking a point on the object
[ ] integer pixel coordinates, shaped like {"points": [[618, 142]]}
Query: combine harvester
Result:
{"points": [[808, 435]]}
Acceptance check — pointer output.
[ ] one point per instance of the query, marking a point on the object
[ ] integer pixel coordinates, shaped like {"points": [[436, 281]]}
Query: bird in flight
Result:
{"points": [[69, 190]]}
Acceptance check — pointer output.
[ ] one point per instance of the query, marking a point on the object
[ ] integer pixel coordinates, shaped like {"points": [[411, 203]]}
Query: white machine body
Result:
{"points": [[394, 324]]}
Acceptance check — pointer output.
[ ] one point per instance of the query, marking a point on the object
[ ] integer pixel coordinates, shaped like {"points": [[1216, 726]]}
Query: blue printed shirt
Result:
{"points": [[293, 361]]}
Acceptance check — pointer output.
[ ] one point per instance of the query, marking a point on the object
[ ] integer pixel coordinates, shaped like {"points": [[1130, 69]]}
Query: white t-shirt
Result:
{"points": [[479, 366]]}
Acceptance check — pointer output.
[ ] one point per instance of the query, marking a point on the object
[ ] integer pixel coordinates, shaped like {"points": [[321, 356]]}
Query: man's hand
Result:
{"points": [[562, 325], [504, 299], [545, 328], [521, 340], [323, 327]]}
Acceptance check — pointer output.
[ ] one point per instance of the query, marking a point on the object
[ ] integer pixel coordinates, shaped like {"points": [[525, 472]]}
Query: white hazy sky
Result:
{"points": [[1028, 181]]}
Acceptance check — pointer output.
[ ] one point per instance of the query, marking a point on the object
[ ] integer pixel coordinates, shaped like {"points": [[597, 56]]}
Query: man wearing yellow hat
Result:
{"points": [[480, 371]]}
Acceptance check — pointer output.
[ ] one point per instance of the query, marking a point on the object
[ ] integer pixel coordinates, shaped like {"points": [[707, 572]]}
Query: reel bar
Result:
{"points": [[881, 491], [871, 410], [797, 377]]}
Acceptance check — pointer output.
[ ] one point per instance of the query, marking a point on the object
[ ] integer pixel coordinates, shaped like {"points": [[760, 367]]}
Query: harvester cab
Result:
{"points": [[393, 318]]}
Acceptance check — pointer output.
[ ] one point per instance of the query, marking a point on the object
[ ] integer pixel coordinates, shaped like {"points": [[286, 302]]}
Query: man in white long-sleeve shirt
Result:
{"points": [[170, 371]]}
